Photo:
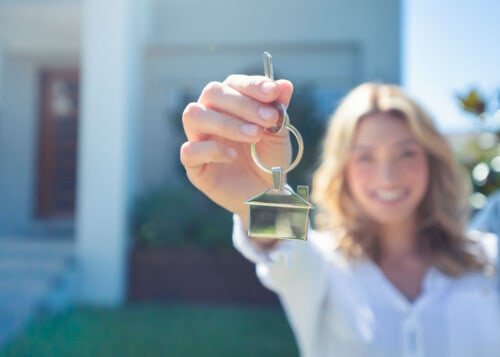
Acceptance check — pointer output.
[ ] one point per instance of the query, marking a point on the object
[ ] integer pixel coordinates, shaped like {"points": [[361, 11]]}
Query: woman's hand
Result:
{"points": [[220, 126]]}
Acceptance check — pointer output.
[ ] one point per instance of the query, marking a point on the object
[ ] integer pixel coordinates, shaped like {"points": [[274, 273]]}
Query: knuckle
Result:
{"points": [[185, 154], [184, 149], [231, 78], [191, 111], [211, 89]]}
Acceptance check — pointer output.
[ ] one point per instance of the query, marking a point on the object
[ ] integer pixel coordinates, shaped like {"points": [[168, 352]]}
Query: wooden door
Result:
{"points": [[58, 143]]}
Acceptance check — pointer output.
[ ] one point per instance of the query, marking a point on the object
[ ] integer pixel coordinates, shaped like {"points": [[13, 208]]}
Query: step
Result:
{"points": [[40, 266], [28, 248], [35, 276], [11, 289]]}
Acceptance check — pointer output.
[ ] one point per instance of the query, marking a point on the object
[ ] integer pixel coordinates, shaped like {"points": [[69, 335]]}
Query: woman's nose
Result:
{"points": [[387, 172]]}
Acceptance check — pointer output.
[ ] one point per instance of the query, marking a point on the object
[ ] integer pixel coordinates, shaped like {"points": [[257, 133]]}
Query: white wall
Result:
{"points": [[40, 27], [372, 24], [17, 143]]}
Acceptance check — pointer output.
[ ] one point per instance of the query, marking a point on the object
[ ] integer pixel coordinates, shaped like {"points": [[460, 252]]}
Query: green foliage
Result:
{"points": [[180, 216], [480, 155], [472, 102], [481, 158]]}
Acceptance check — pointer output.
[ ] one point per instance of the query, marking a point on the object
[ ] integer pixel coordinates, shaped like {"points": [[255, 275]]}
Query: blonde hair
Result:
{"points": [[443, 212]]}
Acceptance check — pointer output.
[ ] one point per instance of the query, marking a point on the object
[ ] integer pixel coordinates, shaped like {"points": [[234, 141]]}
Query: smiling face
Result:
{"points": [[387, 169]]}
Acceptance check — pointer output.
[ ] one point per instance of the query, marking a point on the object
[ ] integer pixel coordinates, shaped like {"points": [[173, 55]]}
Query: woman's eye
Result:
{"points": [[364, 158], [408, 154]]}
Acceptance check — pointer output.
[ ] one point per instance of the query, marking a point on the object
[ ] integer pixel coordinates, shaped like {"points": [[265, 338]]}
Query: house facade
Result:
{"points": [[91, 92]]}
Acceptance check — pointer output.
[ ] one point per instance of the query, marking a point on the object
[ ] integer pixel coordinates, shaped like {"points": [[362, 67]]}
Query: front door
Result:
{"points": [[58, 143]]}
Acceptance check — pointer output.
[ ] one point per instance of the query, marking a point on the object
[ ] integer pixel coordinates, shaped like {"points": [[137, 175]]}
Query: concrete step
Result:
{"points": [[35, 276], [25, 286], [54, 228], [28, 248], [26, 266]]}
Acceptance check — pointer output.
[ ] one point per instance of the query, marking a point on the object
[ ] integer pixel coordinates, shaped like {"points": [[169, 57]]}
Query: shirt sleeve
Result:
{"points": [[298, 272]]}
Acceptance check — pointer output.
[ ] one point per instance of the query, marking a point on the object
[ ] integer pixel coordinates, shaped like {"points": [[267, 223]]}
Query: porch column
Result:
{"points": [[110, 92], [2, 78]]}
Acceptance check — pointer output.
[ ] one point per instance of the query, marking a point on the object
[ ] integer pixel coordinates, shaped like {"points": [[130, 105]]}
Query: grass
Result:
{"points": [[158, 330]]}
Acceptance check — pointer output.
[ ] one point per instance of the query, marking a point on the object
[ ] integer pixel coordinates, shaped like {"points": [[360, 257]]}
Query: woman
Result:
{"points": [[391, 273]]}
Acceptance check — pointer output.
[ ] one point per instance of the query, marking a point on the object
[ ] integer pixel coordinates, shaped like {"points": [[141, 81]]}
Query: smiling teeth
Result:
{"points": [[390, 195]]}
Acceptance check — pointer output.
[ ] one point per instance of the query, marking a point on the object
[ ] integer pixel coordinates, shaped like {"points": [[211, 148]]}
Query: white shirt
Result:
{"points": [[341, 308]]}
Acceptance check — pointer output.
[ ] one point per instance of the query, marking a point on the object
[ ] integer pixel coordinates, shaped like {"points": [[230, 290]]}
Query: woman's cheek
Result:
{"points": [[361, 174]]}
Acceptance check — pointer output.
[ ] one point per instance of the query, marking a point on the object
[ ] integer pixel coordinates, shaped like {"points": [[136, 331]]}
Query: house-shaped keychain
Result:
{"points": [[280, 213]]}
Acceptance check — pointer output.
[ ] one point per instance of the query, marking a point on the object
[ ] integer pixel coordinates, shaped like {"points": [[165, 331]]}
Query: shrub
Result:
{"points": [[180, 217]]}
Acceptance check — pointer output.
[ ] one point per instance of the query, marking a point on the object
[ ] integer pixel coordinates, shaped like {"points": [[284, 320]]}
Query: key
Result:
{"points": [[283, 115]]}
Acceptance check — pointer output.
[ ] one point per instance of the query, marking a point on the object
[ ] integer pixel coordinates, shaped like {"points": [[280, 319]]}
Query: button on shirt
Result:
{"points": [[338, 307]]}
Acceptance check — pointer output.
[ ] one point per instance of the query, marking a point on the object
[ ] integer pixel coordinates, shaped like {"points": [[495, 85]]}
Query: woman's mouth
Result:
{"points": [[390, 195]]}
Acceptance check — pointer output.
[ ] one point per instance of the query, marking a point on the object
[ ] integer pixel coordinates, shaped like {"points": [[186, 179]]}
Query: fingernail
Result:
{"points": [[249, 129], [232, 153], [268, 87], [266, 113]]}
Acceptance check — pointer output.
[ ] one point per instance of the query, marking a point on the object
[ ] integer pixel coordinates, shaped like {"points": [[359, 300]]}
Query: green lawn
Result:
{"points": [[158, 330]]}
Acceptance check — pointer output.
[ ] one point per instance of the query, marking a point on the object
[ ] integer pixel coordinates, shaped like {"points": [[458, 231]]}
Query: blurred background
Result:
{"points": [[105, 248]]}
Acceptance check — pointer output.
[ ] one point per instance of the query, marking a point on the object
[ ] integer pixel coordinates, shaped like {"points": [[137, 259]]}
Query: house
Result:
{"points": [[91, 91]]}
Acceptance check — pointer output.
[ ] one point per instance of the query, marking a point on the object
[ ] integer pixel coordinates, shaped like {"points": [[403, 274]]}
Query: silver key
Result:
{"points": [[283, 115]]}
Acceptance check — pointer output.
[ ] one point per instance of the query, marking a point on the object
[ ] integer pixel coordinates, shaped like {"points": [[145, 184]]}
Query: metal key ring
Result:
{"points": [[300, 151], [283, 119]]}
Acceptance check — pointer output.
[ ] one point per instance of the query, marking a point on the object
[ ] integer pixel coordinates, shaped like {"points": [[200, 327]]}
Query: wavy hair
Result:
{"points": [[441, 215]]}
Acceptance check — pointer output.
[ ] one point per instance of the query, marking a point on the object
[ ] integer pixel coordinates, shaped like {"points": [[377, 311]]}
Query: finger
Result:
{"points": [[200, 123], [224, 98], [195, 155], [261, 88]]}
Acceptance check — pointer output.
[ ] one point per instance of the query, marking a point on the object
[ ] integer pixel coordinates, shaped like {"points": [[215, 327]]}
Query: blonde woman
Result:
{"points": [[389, 270]]}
